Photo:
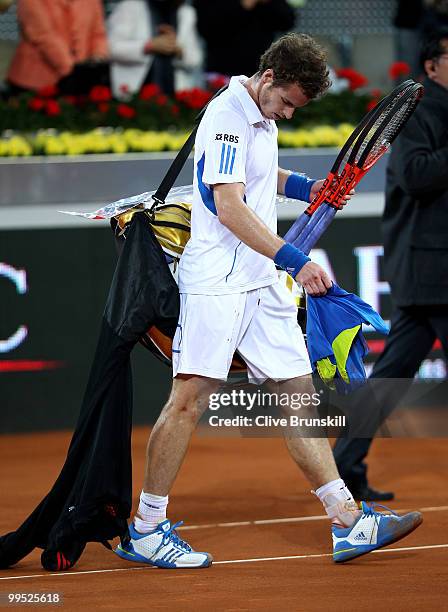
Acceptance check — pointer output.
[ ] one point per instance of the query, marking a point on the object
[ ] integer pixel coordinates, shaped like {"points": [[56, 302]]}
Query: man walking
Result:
{"points": [[231, 299]]}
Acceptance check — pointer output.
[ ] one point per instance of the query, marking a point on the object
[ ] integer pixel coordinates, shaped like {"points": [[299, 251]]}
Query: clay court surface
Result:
{"points": [[245, 502]]}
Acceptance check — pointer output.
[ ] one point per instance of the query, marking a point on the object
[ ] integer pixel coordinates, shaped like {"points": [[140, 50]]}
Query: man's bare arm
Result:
{"points": [[282, 178], [234, 214], [243, 222]]}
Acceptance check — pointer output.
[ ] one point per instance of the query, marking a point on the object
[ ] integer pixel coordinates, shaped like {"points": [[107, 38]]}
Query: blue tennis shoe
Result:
{"points": [[371, 531], [162, 548]]}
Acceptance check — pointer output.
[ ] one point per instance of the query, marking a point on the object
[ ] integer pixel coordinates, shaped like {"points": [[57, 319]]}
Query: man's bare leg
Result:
{"points": [[314, 456], [171, 434], [152, 537], [355, 531]]}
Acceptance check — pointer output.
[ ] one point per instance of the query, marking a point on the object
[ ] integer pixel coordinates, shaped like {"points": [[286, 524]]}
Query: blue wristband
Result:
{"points": [[298, 186], [291, 259]]}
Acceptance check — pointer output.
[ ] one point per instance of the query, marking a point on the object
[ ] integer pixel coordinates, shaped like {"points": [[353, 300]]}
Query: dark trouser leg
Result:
{"points": [[410, 339], [438, 319]]}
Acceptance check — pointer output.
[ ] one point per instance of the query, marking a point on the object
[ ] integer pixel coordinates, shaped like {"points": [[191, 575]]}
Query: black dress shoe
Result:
{"points": [[369, 494]]}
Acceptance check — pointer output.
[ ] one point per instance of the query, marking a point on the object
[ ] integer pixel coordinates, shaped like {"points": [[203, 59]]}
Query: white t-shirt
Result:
{"points": [[234, 144]]}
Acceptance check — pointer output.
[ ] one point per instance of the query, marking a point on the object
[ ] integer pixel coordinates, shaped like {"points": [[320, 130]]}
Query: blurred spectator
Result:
{"points": [[435, 16], [57, 39], [188, 71], [237, 32], [6, 51], [5, 4], [407, 24], [145, 48]]}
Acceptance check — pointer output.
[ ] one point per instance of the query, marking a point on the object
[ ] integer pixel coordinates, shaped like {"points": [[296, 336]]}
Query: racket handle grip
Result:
{"points": [[317, 229], [299, 239], [296, 228]]}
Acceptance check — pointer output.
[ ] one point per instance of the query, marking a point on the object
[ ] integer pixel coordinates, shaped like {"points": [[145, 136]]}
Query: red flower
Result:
{"points": [[126, 111], [50, 91], [218, 81], [162, 100], [103, 107], [194, 98], [36, 104], [375, 96], [124, 88], [100, 93], [376, 93], [175, 110], [355, 79], [149, 91], [70, 100], [52, 108], [399, 69]]}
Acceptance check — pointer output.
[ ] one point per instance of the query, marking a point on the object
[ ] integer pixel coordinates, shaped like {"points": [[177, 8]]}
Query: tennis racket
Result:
{"points": [[365, 146], [340, 162]]}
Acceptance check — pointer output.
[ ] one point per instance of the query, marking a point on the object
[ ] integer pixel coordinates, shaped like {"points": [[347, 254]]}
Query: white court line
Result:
{"points": [[314, 556], [254, 560], [295, 519]]}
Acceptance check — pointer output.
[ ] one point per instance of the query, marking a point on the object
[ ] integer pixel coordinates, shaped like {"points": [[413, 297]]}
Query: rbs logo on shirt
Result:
{"points": [[227, 138]]}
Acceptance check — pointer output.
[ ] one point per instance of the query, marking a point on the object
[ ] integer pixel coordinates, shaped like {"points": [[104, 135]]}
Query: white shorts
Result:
{"points": [[260, 324]]}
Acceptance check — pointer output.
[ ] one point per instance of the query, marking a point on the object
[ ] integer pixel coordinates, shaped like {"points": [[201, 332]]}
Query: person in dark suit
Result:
{"points": [[237, 32], [415, 233]]}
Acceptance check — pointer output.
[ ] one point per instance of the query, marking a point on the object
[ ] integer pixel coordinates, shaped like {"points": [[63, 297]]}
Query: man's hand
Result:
{"points": [[314, 279], [248, 5], [164, 43], [342, 201], [98, 59]]}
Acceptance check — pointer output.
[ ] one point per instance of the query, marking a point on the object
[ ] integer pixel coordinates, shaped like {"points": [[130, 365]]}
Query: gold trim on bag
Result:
{"points": [[170, 223]]}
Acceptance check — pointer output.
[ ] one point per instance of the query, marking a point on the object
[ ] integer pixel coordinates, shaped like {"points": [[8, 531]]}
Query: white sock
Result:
{"points": [[338, 503], [151, 511]]}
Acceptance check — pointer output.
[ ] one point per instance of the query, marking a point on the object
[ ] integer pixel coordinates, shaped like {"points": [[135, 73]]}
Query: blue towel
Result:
{"points": [[334, 334]]}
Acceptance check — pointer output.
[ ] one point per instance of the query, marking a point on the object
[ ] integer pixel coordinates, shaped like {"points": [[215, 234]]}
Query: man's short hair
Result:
{"points": [[432, 46], [297, 58]]}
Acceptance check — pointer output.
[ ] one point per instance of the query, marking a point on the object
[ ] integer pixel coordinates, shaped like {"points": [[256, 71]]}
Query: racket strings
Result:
{"points": [[366, 137], [355, 151], [346, 157], [374, 127], [386, 136], [368, 142], [358, 140]]}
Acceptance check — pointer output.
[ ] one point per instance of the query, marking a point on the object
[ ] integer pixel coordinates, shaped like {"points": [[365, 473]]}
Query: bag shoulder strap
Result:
{"points": [[179, 161]]}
